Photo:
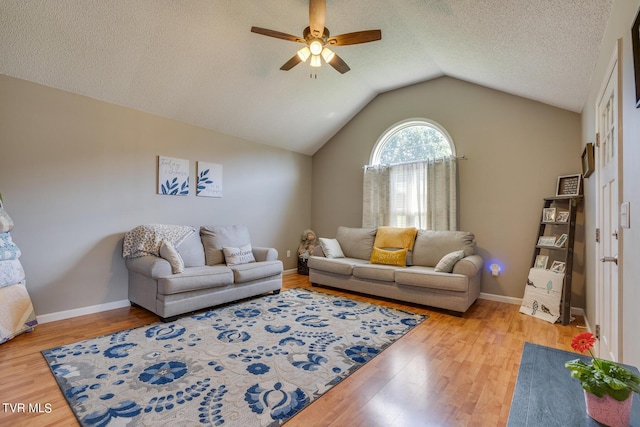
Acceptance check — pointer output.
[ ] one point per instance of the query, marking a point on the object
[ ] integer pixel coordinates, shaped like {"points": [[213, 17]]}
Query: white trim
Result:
{"points": [[575, 311], [374, 159], [500, 298], [67, 314], [288, 272]]}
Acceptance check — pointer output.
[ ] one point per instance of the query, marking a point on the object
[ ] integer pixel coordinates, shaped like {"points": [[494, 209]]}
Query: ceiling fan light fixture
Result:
{"points": [[316, 61], [304, 54], [315, 47], [328, 54]]}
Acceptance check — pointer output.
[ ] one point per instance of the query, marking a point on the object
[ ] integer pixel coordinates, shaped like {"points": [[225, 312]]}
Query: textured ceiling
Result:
{"points": [[196, 60]]}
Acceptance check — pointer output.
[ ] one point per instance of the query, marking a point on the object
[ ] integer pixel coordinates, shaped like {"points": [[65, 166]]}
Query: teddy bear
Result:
{"points": [[309, 241]]}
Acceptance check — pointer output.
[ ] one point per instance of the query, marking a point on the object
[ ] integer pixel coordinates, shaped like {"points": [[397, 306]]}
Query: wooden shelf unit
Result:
{"points": [[565, 253]]}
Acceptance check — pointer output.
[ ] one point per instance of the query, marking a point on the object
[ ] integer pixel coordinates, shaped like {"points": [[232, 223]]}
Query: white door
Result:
{"points": [[607, 287]]}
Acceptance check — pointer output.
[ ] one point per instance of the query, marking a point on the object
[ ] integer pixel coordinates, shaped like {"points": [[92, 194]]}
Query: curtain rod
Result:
{"points": [[463, 157]]}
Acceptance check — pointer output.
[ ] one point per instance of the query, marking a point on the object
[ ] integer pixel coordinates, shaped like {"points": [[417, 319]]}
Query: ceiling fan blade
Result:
{"points": [[317, 15], [355, 38], [276, 34], [291, 63], [339, 64]]}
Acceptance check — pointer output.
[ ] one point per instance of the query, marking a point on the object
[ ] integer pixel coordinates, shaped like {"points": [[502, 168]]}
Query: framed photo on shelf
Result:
{"points": [[561, 241], [562, 217], [569, 185], [558, 267], [549, 215], [542, 261], [587, 160], [546, 240]]}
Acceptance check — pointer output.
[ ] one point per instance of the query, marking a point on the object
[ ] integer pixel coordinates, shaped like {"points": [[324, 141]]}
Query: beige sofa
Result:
{"points": [[420, 281], [207, 279]]}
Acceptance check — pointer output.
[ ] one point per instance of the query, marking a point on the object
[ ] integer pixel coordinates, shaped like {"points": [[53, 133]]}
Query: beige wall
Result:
{"points": [[516, 149], [618, 27], [77, 173]]}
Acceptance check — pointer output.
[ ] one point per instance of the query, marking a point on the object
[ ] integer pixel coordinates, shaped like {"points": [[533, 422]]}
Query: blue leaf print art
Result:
{"points": [[173, 176], [209, 180]]}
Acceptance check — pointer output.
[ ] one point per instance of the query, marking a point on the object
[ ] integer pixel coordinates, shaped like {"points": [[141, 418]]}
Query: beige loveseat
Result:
{"points": [[442, 269], [206, 267]]}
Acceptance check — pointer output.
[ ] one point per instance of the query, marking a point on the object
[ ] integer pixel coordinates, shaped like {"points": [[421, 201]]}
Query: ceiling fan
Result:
{"points": [[316, 38]]}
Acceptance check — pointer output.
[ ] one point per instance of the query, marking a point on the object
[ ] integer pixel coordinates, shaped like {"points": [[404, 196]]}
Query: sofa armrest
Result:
{"points": [[264, 254], [150, 266], [469, 266]]}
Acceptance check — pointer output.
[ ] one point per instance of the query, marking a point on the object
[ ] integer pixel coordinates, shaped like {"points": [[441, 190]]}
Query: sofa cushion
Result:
{"points": [[236, 256], [342, 266], [168, 252], [195, 278], [216, 237], [331, 248], [192, 251], [356, 242], [431, 246], [427, 277], [255, 270], [397, 257], [446, 264], [384, 273]]}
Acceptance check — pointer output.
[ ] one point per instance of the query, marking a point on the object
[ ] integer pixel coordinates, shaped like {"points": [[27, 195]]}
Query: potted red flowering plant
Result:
{"points": [[608, 387]]}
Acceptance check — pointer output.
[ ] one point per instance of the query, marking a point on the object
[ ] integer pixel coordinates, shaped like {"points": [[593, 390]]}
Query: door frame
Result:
{"points": [[615, 64]]}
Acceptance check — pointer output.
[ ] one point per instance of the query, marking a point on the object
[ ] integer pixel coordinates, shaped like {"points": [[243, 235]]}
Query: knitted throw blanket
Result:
{"points": [[146, 239]]}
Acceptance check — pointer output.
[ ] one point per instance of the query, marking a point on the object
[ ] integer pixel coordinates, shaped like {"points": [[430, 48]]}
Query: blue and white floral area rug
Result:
{"points": [[255, 363]]}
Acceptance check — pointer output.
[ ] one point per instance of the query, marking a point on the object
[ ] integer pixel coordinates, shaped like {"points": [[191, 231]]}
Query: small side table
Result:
{"points": [[546, 395]]}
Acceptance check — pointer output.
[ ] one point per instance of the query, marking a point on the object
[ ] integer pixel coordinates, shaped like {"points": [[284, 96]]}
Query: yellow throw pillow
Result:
{"points": [[381, 256], [395, 237]]}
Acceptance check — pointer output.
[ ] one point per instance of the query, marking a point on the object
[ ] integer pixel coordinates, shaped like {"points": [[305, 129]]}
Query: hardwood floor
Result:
{"points": [[448, 371]]}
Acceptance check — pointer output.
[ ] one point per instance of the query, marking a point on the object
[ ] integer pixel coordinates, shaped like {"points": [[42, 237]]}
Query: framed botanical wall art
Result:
{"points": [[173, 176], [209, 180]]}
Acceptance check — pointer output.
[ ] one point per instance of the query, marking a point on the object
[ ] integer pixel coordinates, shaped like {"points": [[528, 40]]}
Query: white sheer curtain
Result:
{"points": [[421, 194]]}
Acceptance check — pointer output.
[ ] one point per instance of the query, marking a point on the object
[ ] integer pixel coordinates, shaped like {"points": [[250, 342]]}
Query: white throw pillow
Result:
{"points": [[241, 255], [331, 248], [168, 252], [448, 261]]}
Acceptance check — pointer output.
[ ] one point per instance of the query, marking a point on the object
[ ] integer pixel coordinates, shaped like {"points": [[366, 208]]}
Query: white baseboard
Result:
{"points": [[67, 314], [288, 272], [575, 311], [500, 298]]}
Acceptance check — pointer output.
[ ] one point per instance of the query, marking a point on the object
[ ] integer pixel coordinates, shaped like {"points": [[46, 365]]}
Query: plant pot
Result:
{"points": [[608, 411]]}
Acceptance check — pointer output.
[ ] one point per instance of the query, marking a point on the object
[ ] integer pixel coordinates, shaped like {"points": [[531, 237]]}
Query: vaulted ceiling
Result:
{"points": [[197, 61]]}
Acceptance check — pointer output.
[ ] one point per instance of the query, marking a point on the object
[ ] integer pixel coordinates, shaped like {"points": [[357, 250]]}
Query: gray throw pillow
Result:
{"points": [[448, 261], [168, 252]]}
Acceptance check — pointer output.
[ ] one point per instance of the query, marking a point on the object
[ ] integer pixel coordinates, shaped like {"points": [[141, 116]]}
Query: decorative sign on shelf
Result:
{"points": [[569, 185]]}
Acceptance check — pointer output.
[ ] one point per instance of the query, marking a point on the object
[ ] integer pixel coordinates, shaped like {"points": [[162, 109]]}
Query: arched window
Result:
{"points": [[412, 140], [412, 178]]}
